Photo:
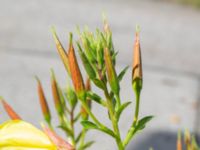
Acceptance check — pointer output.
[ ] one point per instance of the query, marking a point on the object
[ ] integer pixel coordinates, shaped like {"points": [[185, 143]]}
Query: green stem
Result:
{"points": [[131, 131], [82, 138], [137, 107], [72, 127], [113, 119]]}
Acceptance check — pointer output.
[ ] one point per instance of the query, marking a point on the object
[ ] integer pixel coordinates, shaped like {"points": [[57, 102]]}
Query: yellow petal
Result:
{"points": [[20, 135]]}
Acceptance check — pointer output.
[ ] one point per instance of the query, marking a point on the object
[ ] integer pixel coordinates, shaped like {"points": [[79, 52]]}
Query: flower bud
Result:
{"points": [[43, 103], [111, 73], [137, 65], [75, 72], [61, 51], [11, 113], [56, 96]]}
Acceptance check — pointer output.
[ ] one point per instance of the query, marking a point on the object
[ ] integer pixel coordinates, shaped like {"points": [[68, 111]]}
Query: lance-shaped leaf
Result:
{"points": [[120, 110], [87, 145], [76, 75], [111, 73], [88, 67], [122, 73], [137, 65], [9, 110], [20, 135], [56, 96], [43, 102], [90, 125], [61, 50], [96, 98]]}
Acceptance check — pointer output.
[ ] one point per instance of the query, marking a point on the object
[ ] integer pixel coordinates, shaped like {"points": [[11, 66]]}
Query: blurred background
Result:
{"points": [[170, 45]]}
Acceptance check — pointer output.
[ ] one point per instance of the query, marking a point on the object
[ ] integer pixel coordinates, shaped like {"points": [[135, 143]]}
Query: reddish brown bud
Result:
{"points": [[43, 102], [56, 96], [137, 62], [75, 71], [11, 113]]}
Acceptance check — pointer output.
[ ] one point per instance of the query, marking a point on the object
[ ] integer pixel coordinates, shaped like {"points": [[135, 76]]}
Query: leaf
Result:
{"points": [[142, 122], [96, 98], [78, 137], [86, 145], [89, 125], [98, 83], [66, 129], [122, 73], [121, 108]]}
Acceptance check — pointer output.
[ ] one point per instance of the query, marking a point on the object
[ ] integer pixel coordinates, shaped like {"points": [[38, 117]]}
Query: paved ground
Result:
{"points": [[171, 55]]}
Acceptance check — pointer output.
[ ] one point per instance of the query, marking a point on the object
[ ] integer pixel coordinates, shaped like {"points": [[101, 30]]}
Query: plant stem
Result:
{"points": [[137, 107], [113, 119], [72, 127], [131, 131]]}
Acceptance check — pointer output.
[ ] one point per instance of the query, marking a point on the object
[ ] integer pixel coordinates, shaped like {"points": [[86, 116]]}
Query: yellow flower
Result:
{"points": [[20, 135]]}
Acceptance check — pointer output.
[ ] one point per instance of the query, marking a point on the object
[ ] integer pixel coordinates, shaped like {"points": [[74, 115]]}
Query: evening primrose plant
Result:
{"points": [[73, 103]]}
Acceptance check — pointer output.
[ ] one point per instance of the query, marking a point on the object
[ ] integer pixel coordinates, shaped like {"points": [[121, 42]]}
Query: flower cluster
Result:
{"points": [[97, 53]]}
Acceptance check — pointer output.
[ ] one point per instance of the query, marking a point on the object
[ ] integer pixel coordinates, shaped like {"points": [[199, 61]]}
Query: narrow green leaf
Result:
{"points": [[98, 83], [142, 123], [66, 129], [88, 67], [78, 137], [122, 73], [95, 98], [86, 145], [89, 125], [120, 110]]}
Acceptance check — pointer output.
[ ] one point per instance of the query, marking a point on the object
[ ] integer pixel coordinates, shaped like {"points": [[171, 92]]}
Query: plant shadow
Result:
{"points": [[160, 140]]}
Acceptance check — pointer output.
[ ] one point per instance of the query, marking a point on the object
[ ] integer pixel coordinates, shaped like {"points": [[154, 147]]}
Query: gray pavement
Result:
{"points": [[171, 57]]}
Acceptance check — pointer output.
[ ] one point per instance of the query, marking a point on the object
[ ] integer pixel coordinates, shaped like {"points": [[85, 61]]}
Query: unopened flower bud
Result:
{"points": [[137, 65], [9, 110], [56, 96], [111, 73], [75, 72], [43, 103]]}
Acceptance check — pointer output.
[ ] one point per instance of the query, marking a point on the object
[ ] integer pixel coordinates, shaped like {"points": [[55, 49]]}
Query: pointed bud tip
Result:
{"points": [[55, 37], [70, 38]]}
